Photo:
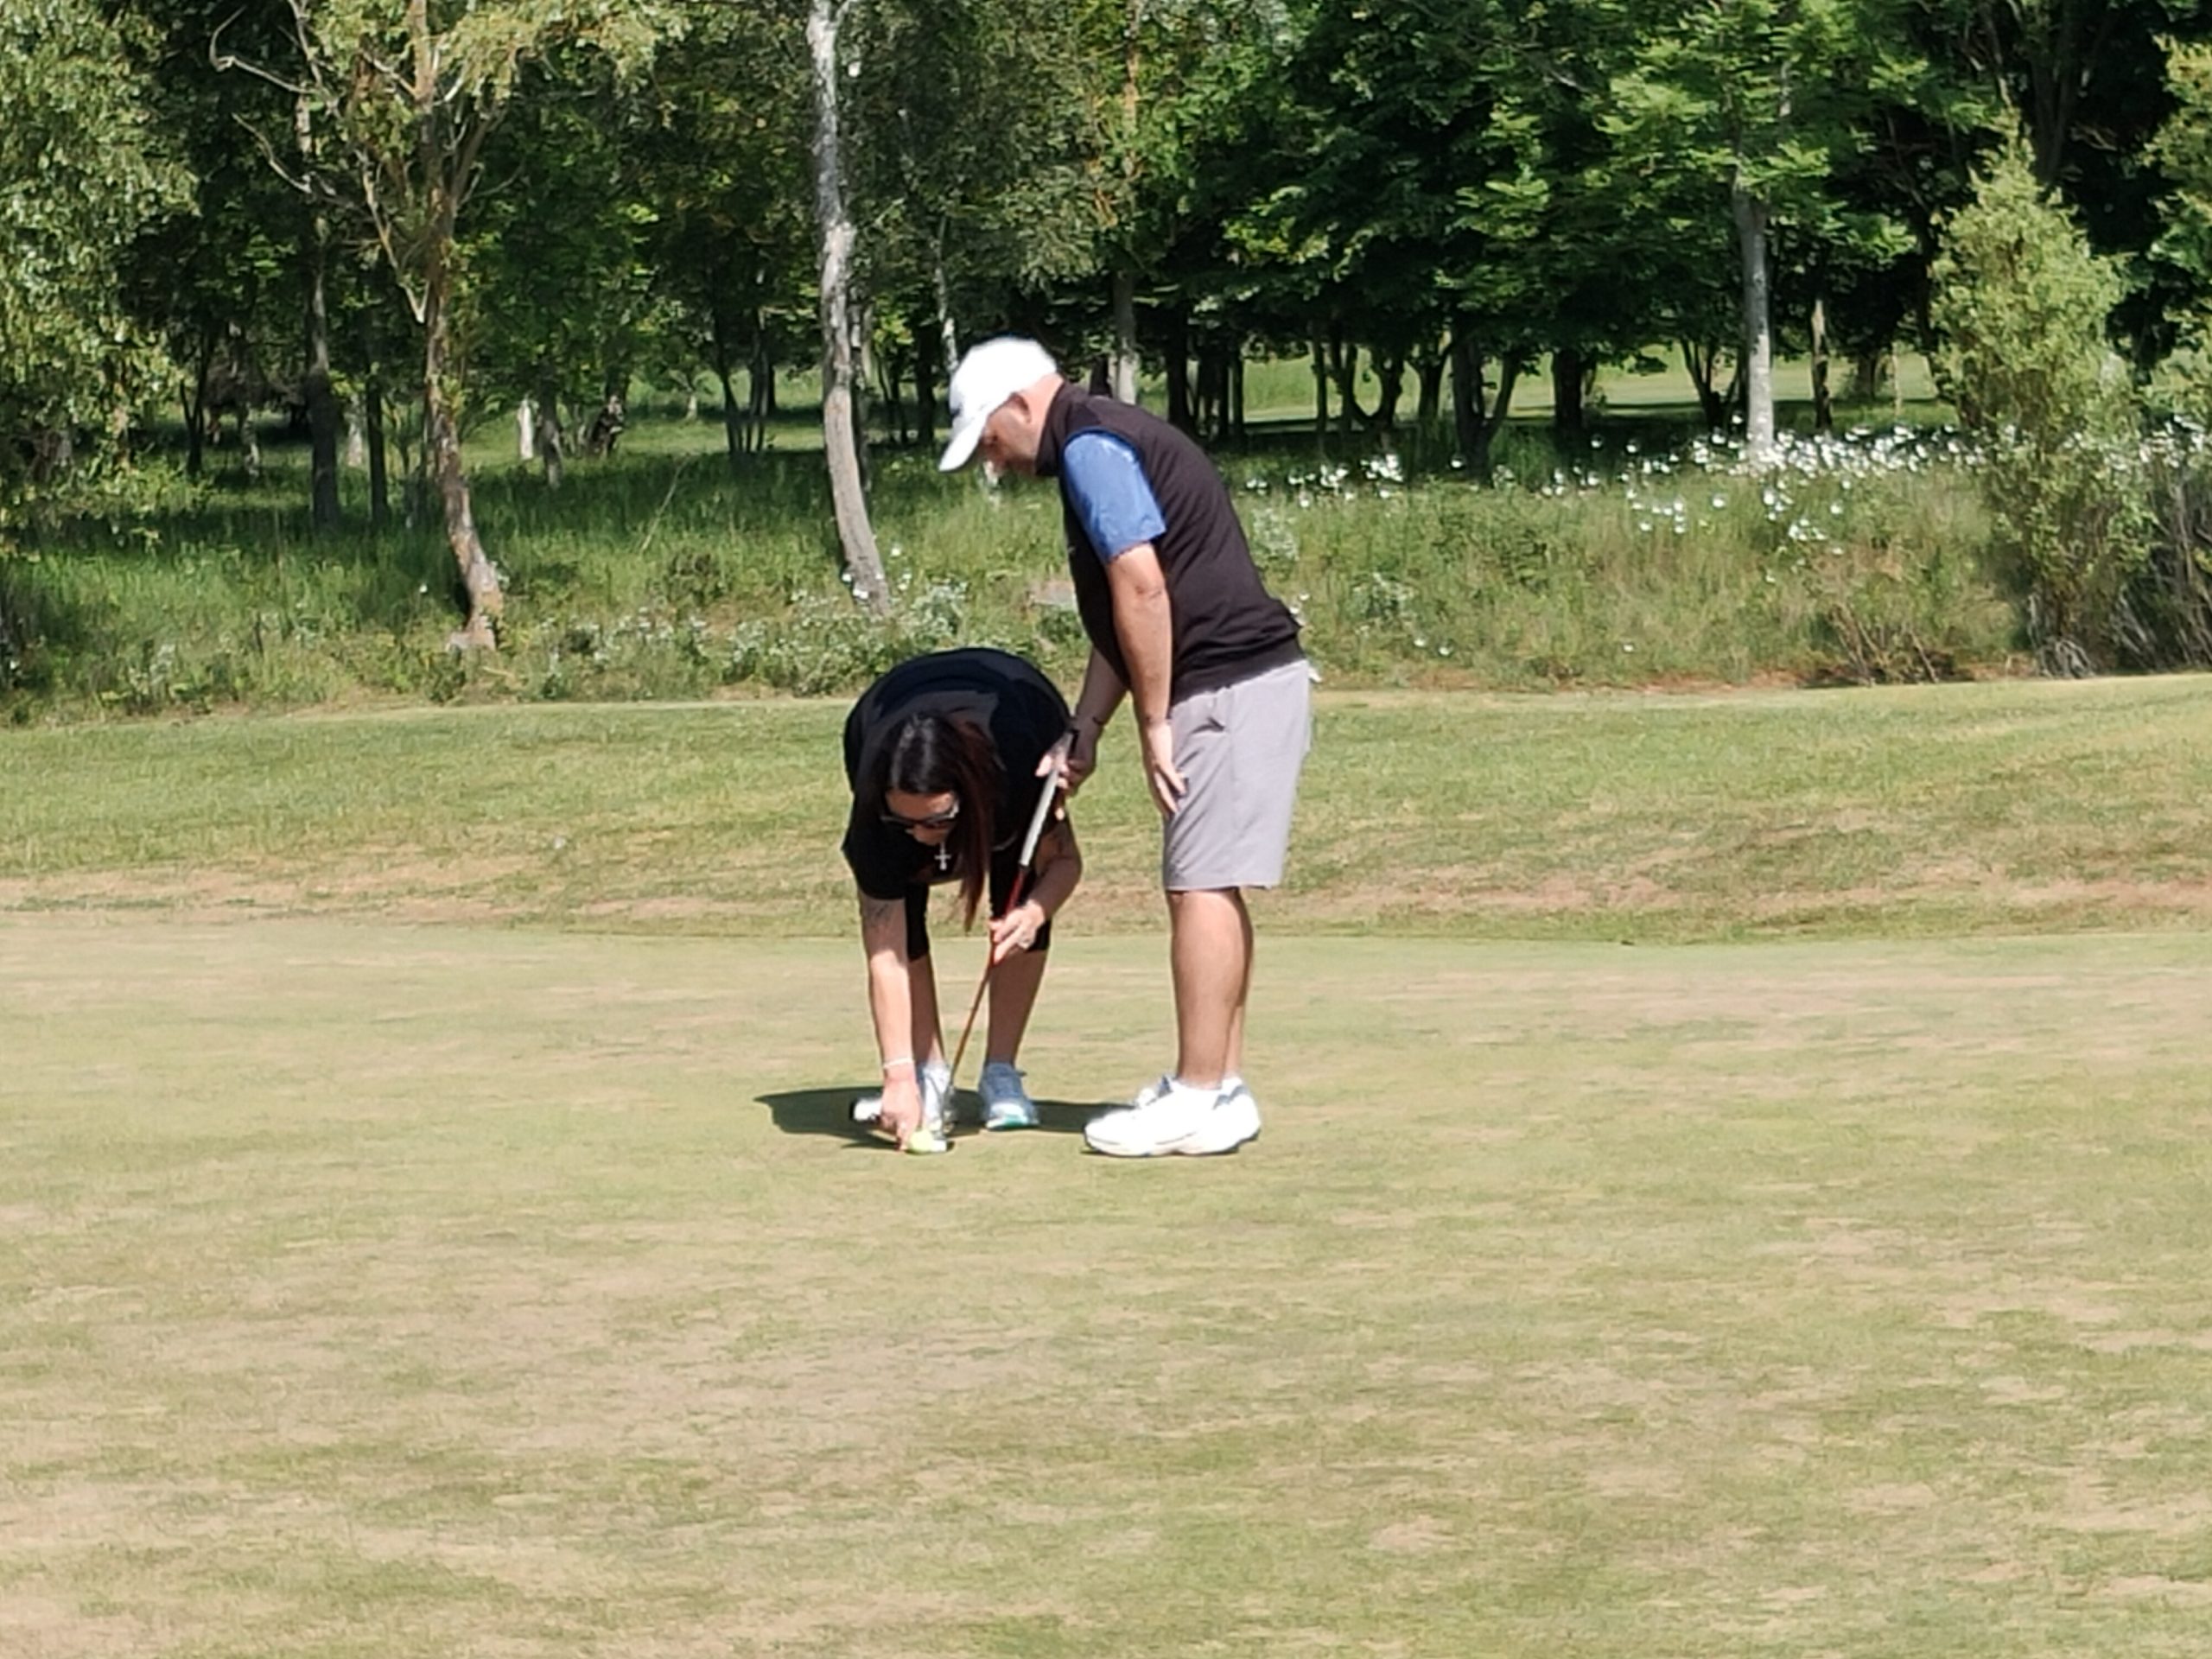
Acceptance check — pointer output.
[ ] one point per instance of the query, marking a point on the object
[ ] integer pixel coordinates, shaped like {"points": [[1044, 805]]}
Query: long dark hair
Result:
{"points": [[931, 753]]}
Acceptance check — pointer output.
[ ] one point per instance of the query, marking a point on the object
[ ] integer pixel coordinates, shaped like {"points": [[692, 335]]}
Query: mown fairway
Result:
{"points": [[504, 1281]]}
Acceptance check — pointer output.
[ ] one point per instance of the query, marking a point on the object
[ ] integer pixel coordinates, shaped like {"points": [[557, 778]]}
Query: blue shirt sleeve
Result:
{"points": [[1106, 484]]}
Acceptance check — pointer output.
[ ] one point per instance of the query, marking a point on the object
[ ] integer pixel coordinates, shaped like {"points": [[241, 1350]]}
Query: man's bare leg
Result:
{"points": [[1209, 955], [1234, 1065]]}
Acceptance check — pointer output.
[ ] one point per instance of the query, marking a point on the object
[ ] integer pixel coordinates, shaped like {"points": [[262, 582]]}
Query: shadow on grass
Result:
{"points": [[830, 1112]]}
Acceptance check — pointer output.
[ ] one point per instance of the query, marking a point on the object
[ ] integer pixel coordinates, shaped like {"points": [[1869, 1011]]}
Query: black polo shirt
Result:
{"points": [[1009, 698]]}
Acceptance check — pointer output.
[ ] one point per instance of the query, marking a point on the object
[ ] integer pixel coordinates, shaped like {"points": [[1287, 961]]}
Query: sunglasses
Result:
{"points": [[935, 821]]}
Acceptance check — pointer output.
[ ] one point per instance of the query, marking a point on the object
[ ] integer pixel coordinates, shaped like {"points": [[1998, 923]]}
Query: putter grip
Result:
{"points": [[1044, 799]]}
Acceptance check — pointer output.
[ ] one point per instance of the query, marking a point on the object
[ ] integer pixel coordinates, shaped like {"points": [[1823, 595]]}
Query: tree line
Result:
{"points": [[404, 216]]}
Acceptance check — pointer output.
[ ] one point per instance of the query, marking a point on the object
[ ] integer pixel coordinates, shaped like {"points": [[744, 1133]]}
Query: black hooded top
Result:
{"points": [[1023, 712]]}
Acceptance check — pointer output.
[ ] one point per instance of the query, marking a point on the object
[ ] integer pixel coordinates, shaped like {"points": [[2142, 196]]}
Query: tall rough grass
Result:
{"points": [[664, 574]]}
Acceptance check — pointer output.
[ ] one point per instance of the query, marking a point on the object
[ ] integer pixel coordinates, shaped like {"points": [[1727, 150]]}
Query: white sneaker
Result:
{"points": [[1172, 1119], [1160, 1084], [936, 1099], [1006, 1105]]}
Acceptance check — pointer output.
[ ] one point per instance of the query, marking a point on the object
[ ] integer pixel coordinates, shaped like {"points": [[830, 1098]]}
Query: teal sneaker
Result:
{"points": [[1006, 1105]]}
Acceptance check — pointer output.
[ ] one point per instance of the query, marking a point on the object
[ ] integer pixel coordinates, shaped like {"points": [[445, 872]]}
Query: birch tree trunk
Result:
{"points": [[1123, 365], [1752, 214], [849, 500], [1823, 404], [946, 333], [441, 430], [322, 401]]}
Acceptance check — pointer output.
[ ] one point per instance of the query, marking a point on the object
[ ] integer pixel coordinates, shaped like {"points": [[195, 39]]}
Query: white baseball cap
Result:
{"points": [[988, 375]]}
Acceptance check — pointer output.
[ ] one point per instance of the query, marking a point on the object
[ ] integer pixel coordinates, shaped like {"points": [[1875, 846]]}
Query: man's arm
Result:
{"points": [[1102, 694], [1144, 626]]}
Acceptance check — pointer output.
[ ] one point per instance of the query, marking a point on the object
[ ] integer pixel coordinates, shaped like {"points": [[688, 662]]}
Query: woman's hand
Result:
{"points": [[1016, 930], [902, 1106]]}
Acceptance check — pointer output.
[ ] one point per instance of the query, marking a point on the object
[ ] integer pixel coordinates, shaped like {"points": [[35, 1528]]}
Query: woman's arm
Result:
{"points": [[891, 1005]]}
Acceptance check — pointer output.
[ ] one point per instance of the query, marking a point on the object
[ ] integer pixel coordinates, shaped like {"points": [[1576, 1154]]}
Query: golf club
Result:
{"points": [[1046, 797]]}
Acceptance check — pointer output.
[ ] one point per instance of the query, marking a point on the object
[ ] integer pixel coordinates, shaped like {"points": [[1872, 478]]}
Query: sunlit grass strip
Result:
{"points": [[1988, 808]]}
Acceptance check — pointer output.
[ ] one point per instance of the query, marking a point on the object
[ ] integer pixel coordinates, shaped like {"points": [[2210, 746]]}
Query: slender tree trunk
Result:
{"points": [[1866, 373], [1344, 366], [1124, 359], [847, 497], [724, 362], [1391, 377], [373, 429], [948, 336], [1751, 216], [925, 367], [1569, 419], [195, 406], [1237, 393], [1320, 386], [1823, 405], [761, 386], [1466, 395], [441, 428], [321, 401], [1428, 377], [442, 438], [1703, 365], [1179, 369], [552, 436], [732, 417], [324, 417], [1491, 421]]}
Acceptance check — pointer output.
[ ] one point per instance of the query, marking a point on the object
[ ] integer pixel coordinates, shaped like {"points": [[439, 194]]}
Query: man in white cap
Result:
{"points": [[1180, 624]]}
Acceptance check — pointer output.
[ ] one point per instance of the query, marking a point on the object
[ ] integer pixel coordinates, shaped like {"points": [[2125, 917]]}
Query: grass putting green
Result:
{"points": [[372, 1290]]}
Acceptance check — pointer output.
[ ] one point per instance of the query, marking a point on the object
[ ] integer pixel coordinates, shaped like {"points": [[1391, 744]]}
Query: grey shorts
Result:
{"points": [[1240, 748]]}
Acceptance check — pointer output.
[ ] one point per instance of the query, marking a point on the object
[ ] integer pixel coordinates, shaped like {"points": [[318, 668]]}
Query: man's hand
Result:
{"points": [[1160, 772], [902, 1105], [1016, 930], [1082, 757]]}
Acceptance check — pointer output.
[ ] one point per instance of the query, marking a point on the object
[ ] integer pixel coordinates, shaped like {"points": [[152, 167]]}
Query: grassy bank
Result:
{"points": [[1999, 807], [663, 574]]}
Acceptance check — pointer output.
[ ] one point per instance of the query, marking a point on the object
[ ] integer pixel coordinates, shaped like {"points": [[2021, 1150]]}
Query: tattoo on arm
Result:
{"points": [[878, 914]]}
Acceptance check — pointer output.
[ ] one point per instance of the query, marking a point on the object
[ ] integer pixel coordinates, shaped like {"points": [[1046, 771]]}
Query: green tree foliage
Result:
{"points": [[2023, 306], [2183, 149], [1738, 111], [719, 151], [83, 172], [413, 91]]}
